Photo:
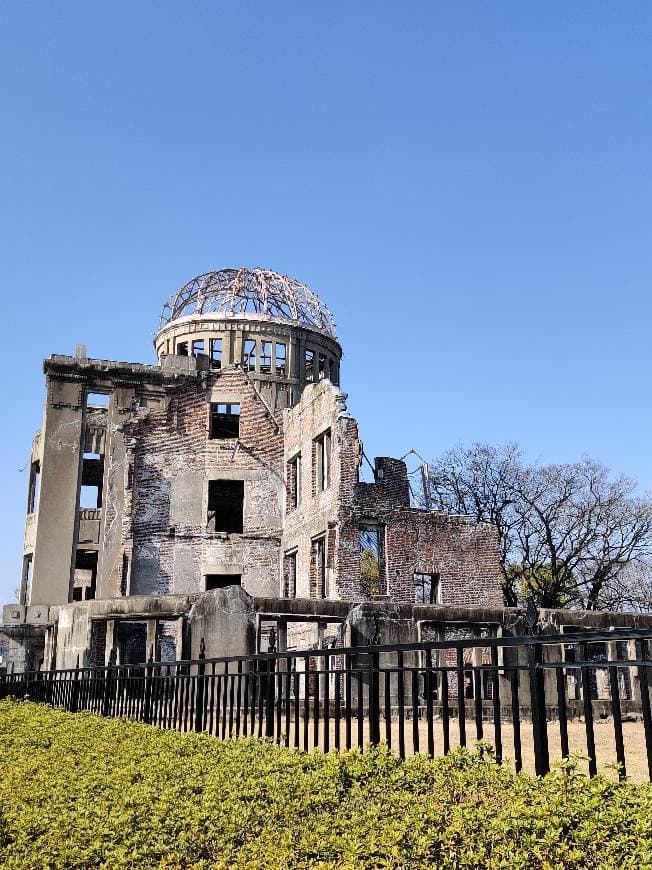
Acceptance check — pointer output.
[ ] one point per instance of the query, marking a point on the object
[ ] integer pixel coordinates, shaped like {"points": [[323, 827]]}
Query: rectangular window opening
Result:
{"points": [[322, 366], [90, 497], [426, 588], [97, 400], [225, 420], [221, 581], [371, 559], [28, 564], [182, 348], [249, 355], [216, 353], [294, 482], [85, 575], [290, 575], [198, 346], [226, 506], [319, 567], [266, 356], [310, 365], [280, 358], [34, 487], [323, 460]]}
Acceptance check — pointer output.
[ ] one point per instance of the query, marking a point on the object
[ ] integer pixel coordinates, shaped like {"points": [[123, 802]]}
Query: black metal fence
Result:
{"points": [[534, 699]]}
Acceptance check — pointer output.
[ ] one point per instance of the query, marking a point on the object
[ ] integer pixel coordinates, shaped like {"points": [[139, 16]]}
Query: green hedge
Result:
{"points": [[81, 791]]}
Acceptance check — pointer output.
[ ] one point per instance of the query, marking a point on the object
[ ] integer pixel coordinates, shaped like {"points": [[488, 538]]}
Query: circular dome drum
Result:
{"points": [[234, 292]]}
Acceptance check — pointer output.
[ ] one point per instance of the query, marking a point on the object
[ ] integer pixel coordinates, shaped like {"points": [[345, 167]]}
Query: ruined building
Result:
{"points": [[231, 464]]}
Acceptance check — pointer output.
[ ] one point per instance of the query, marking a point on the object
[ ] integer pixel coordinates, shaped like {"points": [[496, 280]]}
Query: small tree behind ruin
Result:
{"points": [[570, 535]]}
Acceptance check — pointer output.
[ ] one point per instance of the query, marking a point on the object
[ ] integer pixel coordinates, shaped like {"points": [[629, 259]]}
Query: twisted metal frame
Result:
{"points": [[256, 291]]}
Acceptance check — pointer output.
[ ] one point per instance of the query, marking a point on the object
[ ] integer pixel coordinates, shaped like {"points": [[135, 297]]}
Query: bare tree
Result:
{"points": [[567, 532]]}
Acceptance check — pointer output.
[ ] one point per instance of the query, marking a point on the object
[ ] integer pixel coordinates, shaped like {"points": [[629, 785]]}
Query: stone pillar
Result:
{"points": [[110, 641], [150, 641]]}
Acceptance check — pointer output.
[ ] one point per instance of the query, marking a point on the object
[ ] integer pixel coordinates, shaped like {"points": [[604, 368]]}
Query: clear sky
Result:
{"points": [[467, 185]]}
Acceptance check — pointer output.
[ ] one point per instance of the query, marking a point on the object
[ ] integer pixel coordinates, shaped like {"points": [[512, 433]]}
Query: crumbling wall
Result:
{"points": [[173, 461]]}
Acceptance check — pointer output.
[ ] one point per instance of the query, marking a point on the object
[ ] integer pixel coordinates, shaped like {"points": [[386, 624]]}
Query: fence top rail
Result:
{"points": [[572, 638]]}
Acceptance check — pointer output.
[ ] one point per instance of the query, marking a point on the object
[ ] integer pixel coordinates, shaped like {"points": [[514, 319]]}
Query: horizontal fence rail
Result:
{"points": [[534, 699]]}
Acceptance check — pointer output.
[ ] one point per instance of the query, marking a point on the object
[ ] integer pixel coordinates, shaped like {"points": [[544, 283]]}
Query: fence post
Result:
{"points": [[374, 698], [108, 683], [201, 688], [147, 695], [538, 705], [74, 694], [269, 698]]}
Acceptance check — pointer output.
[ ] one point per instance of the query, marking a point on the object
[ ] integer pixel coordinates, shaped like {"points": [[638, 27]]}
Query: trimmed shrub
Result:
{"points": [[81, 791]]}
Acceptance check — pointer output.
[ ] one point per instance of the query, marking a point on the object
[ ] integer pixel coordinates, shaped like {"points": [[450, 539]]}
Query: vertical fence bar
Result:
{"points": [[588, 710], [327, 704], [360, 708], [498, 728], [415, 708], [287, 677], [516, 720], [338, 706], [315, 704], [347, 700], [296, 679], [461, 700], [476, 674], [644, 688], [306, 701], [445, 712], [429, 705], [561, 707], [538, 705], [400, 690], [374, 698], [269, 698], [200, 712], [614, 690], [387, 707]]}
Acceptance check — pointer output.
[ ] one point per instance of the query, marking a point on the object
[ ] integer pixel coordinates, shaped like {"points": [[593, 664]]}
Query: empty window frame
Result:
{"points": [[294, 482], [34, 487], [280, 358], [85, 575], [371, 559], [323, 366], [90, 496], [322, 454], [225, 420], [318, 584], [97, 400], [182, 348], [216, 353], [266, 357], [426, 588], [221, 581], [290, 575], [26, 586], [226, 506], [310, 365], [249, 355], [198, 346]]}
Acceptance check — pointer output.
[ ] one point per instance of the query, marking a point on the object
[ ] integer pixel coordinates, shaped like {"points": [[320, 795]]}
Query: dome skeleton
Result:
{"points": [[249, 291]]}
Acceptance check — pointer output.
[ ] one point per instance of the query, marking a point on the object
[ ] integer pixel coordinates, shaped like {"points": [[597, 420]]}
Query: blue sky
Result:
{"points": [[468, 187]]}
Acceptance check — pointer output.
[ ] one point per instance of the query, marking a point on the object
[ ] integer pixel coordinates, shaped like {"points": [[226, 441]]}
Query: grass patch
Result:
{"points": [[81, 791]]}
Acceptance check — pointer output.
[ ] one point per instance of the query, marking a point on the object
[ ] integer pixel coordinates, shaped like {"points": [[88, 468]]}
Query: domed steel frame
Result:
{"points": [[245, 291]]}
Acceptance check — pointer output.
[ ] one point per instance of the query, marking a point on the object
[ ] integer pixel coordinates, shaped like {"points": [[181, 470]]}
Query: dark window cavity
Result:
{"points": [[310, 365], [34, 487], [290, 575], [226, 506], [216, 353], [426, 588], [371, 559], [280, 358], [294, 482], [319, 567], [266, 356], [249, 355], [225, 420], [221, 581], [322, 453], [182, 348]]}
